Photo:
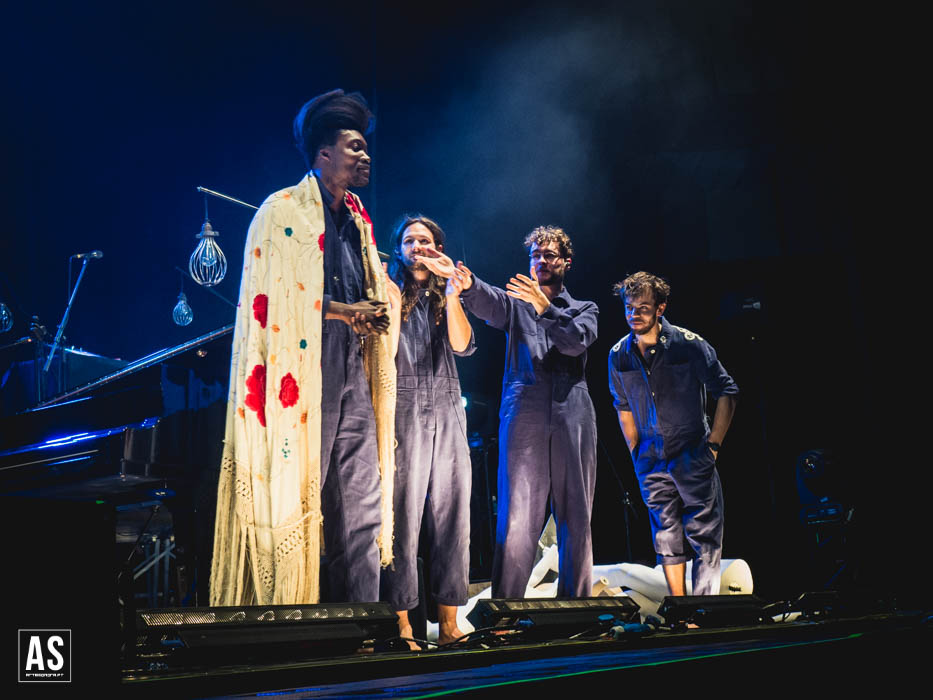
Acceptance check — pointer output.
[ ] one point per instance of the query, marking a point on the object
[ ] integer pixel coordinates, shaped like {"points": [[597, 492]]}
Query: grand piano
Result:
{"points": [[145, 438]]}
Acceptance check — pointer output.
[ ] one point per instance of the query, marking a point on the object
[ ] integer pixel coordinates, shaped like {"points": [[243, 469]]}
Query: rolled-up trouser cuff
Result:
{"points": [[454, 603], [679, 559]]}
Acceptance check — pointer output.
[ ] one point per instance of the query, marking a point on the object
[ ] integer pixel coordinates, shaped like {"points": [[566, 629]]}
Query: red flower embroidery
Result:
{"points": [[361, 210], [256, 393], [320, 241], [288, 393], [261, 309], [365, 215]]}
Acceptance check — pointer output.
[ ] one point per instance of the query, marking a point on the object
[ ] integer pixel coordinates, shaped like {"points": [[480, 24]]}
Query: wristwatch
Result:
{"points": [[714, 446]]}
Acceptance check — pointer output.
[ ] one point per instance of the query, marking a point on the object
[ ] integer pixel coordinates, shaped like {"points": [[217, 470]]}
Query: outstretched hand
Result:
{"points": [[436, 262], [528, 289]]}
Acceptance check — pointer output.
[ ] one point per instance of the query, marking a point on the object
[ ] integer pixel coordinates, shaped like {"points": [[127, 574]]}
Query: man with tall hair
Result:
{"points": [[659, 375], [432, 459], [547, 425], [310, 413]]}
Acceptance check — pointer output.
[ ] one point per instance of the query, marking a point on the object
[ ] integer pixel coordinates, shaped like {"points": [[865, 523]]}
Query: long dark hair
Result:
{"points": [[399, 272]]}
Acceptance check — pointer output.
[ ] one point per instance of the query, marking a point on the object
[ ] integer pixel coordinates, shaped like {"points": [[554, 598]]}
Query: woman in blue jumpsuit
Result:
{"points": [[432, 460]]}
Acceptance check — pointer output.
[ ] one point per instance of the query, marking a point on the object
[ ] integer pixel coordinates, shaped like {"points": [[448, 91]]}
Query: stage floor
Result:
{"points": [[794, 656]]}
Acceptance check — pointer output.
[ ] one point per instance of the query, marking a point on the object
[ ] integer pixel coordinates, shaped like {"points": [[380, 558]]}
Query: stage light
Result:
{"points": [[6, 318], [477, 411], [207, 264], [243, 633], [713, 610], [182, 313], [552, 617]]}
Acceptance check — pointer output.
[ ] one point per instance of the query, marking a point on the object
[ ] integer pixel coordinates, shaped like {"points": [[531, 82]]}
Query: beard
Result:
{"points": [[550, 279], [644, 326]]}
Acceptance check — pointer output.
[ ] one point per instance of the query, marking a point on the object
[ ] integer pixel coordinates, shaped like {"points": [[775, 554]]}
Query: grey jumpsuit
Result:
{"points": [[350, 492], [432, 465], [547, 436], [676, 470]]}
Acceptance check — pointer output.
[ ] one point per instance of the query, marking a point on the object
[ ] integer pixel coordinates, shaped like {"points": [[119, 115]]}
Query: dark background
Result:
{"points": [[728, 146]]}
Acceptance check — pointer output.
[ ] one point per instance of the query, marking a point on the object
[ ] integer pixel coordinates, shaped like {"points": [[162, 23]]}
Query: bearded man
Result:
{"points": [[659, 375], [310, 414], [547, 425]]}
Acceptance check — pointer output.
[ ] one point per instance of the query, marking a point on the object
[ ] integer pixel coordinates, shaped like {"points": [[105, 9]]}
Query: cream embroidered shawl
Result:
{"points": [[267, 535]]}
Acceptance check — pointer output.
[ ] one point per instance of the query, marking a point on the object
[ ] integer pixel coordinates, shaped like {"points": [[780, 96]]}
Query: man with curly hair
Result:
{"points": [[433, 473], [547, 425], [659, 376]]}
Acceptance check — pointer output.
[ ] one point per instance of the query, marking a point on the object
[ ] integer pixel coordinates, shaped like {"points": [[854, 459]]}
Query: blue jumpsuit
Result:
{"points": [[432, 465], [676, 471], [350, 492], [547, 436]]}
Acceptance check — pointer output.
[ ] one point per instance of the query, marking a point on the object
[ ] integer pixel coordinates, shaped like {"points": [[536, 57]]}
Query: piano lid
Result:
{"points": [[151, 386], [155, 358]]}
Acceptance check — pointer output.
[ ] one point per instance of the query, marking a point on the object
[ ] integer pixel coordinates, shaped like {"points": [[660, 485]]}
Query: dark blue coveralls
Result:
{"points": [[350, 492], [432, 465], [547, 436], [666, 394]]}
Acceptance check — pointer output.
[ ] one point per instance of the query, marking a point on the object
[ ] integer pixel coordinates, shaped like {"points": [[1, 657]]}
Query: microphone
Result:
{"points": [[93, 255]]}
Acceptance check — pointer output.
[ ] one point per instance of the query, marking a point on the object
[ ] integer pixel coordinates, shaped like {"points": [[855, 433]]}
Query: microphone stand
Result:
{"points": [[627, 505], [61, 326]]}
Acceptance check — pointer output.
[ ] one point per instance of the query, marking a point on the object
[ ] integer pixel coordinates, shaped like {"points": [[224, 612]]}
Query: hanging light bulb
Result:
{"points": [[207, 264], [182, 314], [6, 318]]}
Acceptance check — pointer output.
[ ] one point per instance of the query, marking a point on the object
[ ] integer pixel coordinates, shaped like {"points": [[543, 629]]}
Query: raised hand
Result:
{"points": [[528, 289], [459, 281], [436, 262]]}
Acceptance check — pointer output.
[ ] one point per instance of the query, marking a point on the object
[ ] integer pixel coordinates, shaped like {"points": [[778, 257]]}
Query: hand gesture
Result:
{"points": [[436, 262], [465, 278], [460, 280], [366, 317], [528, 289]]}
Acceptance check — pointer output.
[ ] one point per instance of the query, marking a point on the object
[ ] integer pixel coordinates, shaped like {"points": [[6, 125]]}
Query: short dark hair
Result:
{"points": [[551, 234], [322, 117], [643, 283], [402, 276]]}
